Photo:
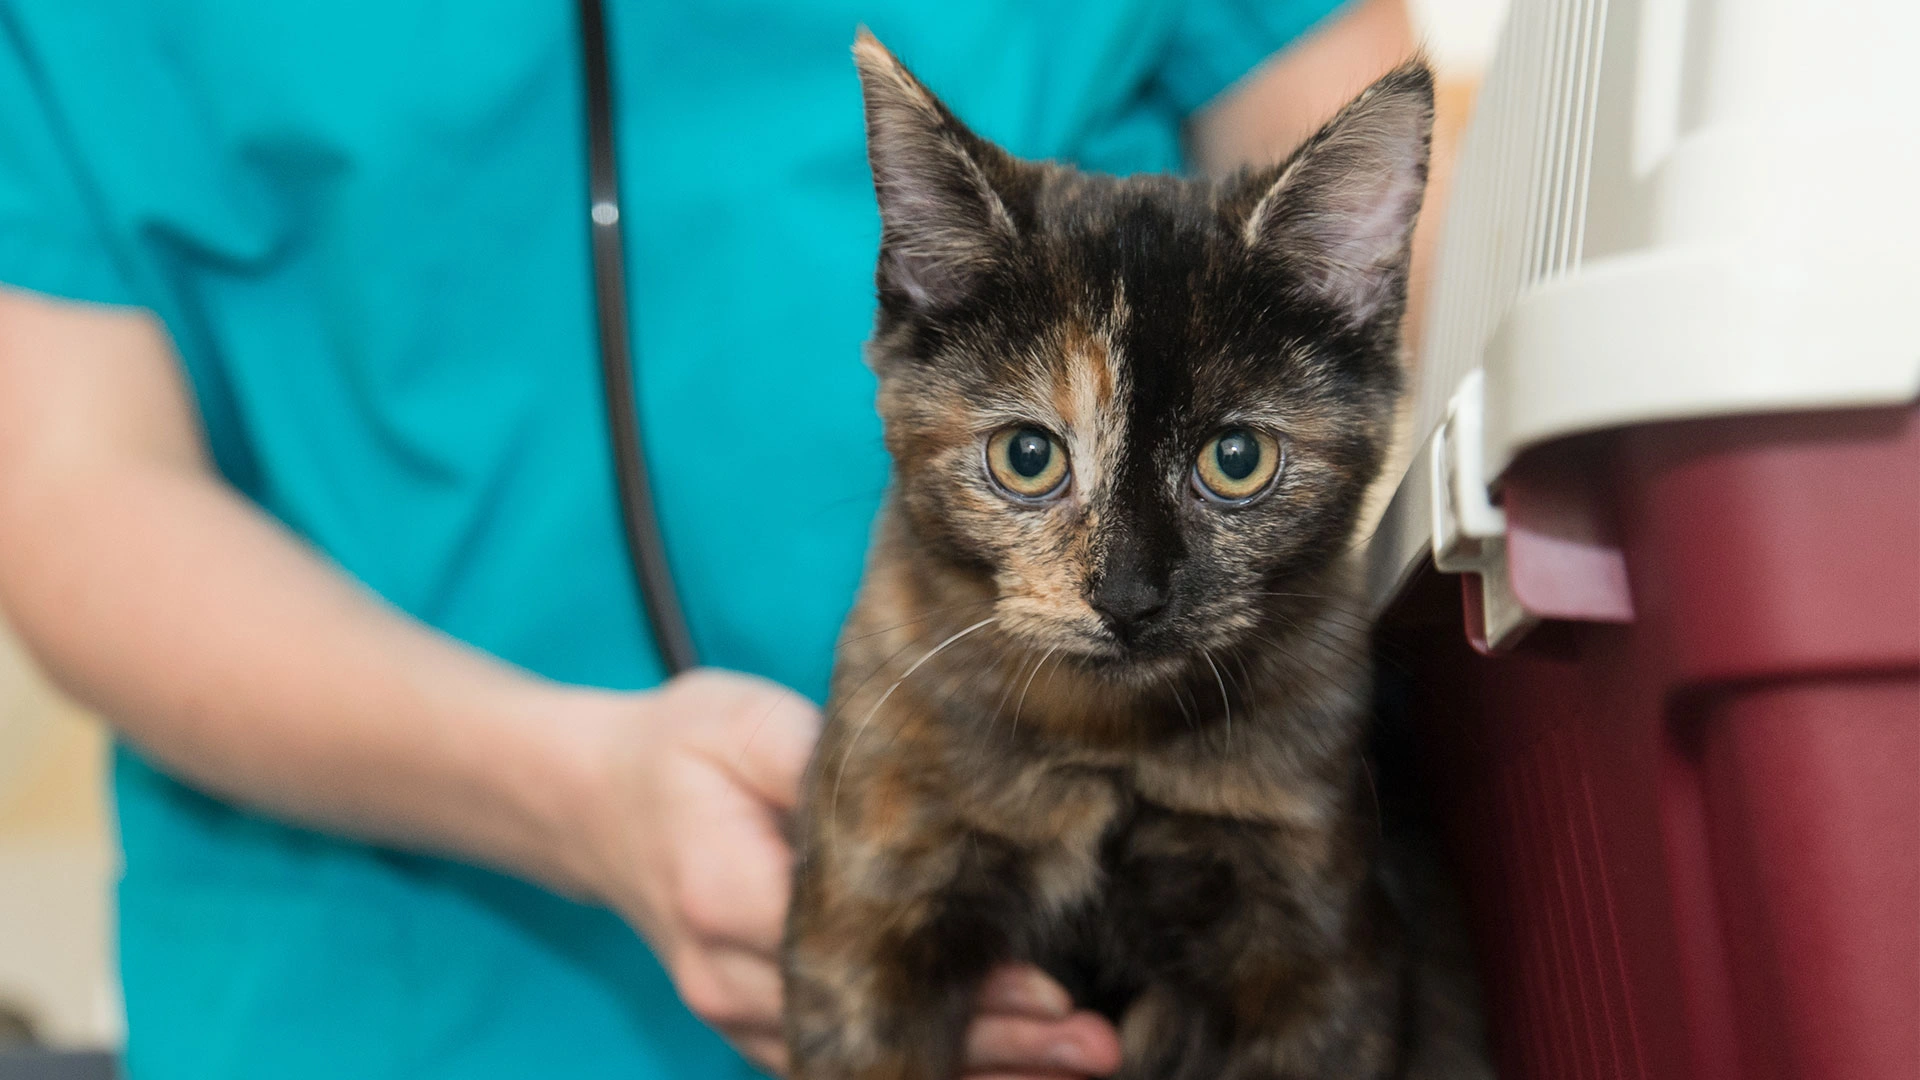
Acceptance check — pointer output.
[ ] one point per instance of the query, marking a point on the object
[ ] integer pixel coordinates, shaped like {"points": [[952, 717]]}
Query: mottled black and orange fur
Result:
{"points": [[1172, 815]]}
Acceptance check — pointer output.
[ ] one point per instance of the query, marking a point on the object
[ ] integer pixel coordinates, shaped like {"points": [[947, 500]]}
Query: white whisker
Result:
{"points": [[846, 757], [1006, 693], [1015, 733], [1225, 702]]}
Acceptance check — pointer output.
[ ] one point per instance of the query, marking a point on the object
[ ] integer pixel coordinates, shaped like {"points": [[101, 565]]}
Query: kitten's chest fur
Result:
{"points": [[1133, 886], [1133, 868]]}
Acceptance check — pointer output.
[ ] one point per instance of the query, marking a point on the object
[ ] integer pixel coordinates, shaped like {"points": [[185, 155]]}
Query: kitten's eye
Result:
{"points": [[1236, 466], [1027, 462]]}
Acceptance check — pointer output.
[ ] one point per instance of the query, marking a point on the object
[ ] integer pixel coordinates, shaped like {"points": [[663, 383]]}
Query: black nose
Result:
{"points": [[1126, 601]]}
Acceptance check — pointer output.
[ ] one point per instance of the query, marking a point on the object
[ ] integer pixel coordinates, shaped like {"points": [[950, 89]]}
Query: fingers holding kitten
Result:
{"points": [[1026, 1027]]}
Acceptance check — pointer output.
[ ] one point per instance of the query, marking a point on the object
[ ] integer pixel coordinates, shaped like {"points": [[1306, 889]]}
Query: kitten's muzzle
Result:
{"points": [[1127, 604]]}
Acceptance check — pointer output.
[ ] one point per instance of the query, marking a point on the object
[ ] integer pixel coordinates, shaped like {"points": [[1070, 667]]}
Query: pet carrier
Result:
{"points": [[1666, 437]]}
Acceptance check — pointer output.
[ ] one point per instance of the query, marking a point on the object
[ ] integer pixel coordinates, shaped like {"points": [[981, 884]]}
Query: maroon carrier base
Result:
{"points": [[1690, 841]]}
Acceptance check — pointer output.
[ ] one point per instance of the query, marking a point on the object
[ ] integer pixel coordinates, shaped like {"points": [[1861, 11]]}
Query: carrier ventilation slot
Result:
{"points": [[1518, 217]]}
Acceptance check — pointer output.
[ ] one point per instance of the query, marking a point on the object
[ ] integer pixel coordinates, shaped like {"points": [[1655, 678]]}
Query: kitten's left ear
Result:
{"points": [[1340, 211]]}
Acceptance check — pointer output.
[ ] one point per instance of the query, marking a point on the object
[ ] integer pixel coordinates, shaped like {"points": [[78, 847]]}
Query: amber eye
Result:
{"points": [[1027, 462], [1236, 466]]}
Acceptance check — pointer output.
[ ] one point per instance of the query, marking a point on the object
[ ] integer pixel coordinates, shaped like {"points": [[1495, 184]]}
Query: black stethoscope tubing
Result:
{"points": [[640, 521]]}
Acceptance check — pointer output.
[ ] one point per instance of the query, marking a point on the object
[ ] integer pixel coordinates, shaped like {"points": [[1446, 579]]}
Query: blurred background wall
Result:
{"points": [[56, 866], [1459, 33], [56, 850]]}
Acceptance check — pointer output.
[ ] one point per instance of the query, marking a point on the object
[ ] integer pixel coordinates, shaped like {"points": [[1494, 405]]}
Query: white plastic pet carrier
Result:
{"points": [[1651, 584]]}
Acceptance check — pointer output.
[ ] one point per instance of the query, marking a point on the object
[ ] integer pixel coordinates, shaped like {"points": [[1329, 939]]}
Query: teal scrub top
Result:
{"points": [[363, 223]]}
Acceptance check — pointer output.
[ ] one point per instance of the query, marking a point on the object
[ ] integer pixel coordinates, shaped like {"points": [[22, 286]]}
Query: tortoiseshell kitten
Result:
{"points": [[1101, 703]]}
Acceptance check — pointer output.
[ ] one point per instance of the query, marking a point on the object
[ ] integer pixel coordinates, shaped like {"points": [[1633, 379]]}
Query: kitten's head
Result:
{"points": [[1138, 407]]}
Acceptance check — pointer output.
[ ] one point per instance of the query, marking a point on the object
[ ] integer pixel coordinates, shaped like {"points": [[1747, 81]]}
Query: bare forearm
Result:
{"points": [[241, 661]]}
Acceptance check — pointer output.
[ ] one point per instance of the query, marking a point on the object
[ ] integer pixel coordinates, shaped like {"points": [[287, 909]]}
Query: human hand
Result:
{"points": [[685, 834]]}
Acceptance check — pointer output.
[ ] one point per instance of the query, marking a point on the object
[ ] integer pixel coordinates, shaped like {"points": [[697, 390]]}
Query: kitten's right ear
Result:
{"points": [[943, 220], [1340, 212]]}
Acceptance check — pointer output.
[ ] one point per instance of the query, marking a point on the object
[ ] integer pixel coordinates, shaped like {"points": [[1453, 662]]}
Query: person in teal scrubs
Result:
{"points": [[304, 484]]}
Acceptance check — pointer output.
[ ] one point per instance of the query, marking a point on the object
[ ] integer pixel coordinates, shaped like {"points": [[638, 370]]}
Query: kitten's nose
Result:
{"points": [[1126, 601]]}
